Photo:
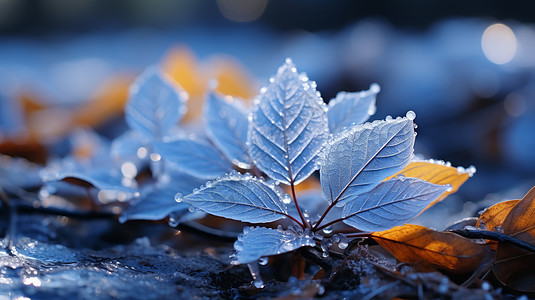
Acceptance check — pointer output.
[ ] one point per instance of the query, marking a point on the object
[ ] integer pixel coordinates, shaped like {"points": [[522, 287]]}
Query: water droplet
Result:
{"points": [[449, 187], [411, 115], [129, 170], [255, 273], [286, 199], [263, 261], [192, 209], [173, 221], [328, 229], [142, 152], [178, 197], [155, 157], [122, 219]]}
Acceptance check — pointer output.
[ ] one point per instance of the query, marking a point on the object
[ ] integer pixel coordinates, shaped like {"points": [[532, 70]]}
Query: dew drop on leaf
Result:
{"points": [[263, 261], [328, 229], [411, 115]]}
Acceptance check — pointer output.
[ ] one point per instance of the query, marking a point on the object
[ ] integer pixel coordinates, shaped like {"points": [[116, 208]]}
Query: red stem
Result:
{"points": [[305, 223]]}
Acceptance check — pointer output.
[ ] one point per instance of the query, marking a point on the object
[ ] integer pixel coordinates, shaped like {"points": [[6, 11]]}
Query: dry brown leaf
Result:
{"points": [[494, 216], [435, 173], [515, 267], [443, 250]]}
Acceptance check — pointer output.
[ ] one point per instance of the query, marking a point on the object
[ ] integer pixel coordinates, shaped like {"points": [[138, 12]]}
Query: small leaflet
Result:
{"points": [[391, 203], [227, 125], [288, 127], [349, 109], [193, 157], [238, 197], [359, 158], [257, 242], [156, 104]]}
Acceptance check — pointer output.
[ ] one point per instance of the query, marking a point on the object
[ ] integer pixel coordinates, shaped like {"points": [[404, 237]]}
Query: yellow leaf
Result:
{"points": [[232, 77], [182, 65], [437, 173], [443, 250], [515, 267], [494, 216]]}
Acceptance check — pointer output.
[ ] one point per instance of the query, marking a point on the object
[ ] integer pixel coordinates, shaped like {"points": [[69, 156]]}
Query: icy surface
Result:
{"points": [[288, 127], [41, 270]]}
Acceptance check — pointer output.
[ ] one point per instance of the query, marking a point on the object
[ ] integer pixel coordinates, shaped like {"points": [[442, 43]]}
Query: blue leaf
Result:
{"points": [[156, 104], [349, 109], [239, 197], [358, 159], [159, 202], [257, 242], [226, 125], [102, 179], [288, 127], [129, 147], [391, 203], [194, 158]]}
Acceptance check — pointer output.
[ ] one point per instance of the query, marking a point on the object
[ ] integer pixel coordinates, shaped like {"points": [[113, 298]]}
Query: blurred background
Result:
{"points": [[466, 68]]}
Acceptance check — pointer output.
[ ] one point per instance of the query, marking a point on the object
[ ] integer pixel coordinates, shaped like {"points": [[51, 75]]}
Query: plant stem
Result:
{"points": [[495, 236], [323, 217], [328, 224], [305, 223]]}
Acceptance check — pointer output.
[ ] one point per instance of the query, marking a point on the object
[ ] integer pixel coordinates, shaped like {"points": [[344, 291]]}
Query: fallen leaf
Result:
{"points": [[492, 218], [515, 267], [437, 173], [443, 250]]}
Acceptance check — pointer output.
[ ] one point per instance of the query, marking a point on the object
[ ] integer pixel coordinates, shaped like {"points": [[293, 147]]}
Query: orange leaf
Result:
{"points": [[437, 173], [515, 267], [232, 77], [443, 250], [182, 65], [107, 102], [494, 216]]}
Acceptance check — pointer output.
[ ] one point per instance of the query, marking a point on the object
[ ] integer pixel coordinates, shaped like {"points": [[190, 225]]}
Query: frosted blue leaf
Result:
{"points": [[156, 104], [126, 147], [226, 125], [239, 197], [160, 201], [357, 159], [391, 203], [194, 158], [288, 127], [102, 179], [18, 172], [157, 205], [349, 109], [257, 242]]}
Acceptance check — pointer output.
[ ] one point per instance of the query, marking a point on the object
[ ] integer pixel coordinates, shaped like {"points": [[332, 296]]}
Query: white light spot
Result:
{"points": [[499, 44], [129, 170], [155, 157], [141, 152]]}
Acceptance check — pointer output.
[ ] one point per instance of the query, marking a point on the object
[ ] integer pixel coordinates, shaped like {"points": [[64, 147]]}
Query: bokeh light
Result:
{"points": [[499, 43]]}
